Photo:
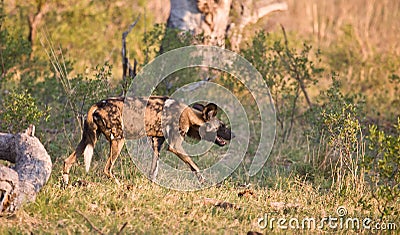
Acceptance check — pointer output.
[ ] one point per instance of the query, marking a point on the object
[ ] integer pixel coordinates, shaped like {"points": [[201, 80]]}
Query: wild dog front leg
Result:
{"points": [[157, 142], [178, 150], [115, 149]]}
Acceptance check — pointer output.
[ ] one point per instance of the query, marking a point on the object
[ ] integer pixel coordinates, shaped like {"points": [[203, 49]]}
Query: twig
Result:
{"points": [[294, 69], [61, 73], [126, 66], [122, 228], [90, 223], [3, 67], [288, 132], [2, 63]]}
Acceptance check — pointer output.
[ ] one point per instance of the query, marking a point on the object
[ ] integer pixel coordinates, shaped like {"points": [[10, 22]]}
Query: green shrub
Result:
{"points": [[288, 73], [20, 110], [335, 135], [15, 51], [382, 164], [82, 91]]}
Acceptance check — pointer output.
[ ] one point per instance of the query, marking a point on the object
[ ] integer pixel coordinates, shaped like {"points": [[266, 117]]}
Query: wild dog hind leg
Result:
{"points": [[68, 162], [157, 142], [85, 146], [115, 149]]}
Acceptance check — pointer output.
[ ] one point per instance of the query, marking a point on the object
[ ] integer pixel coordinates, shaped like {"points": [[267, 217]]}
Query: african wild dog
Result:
{"points": [[106, 117]]}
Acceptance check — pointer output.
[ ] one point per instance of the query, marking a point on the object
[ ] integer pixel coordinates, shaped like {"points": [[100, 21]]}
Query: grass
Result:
{"points": [[94, 203], [359, 39]]}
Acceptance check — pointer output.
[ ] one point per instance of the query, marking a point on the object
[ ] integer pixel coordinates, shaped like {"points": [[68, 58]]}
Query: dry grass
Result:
{"points": [[148, 208], [358, 40], [95, 204], [375, 22], [281, 189]]}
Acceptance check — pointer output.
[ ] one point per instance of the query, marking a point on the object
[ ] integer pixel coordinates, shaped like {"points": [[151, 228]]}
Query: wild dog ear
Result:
{"points": [[198, 107], [209, 111]]}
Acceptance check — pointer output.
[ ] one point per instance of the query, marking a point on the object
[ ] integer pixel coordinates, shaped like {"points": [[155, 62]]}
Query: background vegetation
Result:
{"points": [[334, 76]]}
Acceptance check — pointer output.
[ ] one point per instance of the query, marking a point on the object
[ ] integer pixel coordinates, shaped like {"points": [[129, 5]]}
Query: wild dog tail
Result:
{"points": [[89, 137]]}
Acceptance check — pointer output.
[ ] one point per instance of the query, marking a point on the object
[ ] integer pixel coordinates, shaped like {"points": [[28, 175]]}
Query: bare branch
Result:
{"points": [[294, 69], [127, 69], [122, 228], [90, 222], [2, 63], [268, 9]]}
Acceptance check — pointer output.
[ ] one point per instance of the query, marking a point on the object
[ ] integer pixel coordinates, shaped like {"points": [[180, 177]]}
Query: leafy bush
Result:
{"points": [[90, 89], [383, 164], [15, 51], [82, 91], [20, 110], [288, 74], [335, 134]]}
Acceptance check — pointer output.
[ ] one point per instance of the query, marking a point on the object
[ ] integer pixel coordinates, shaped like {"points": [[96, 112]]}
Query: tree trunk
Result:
{"points": [[201, 16], [249, 12], [34, 21], [32, 169], [219, 19]]}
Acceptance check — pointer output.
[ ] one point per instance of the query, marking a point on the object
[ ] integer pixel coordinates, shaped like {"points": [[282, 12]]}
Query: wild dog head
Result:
{"points": [[214, 130]]}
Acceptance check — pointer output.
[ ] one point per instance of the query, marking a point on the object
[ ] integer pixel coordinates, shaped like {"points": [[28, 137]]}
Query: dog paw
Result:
{"points": [[200, 177], [65, 179], [117, 181], [152, 178]]}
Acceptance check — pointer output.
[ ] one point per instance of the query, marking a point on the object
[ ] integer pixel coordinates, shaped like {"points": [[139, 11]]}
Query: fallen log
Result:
{"points": [[20, 184]]}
